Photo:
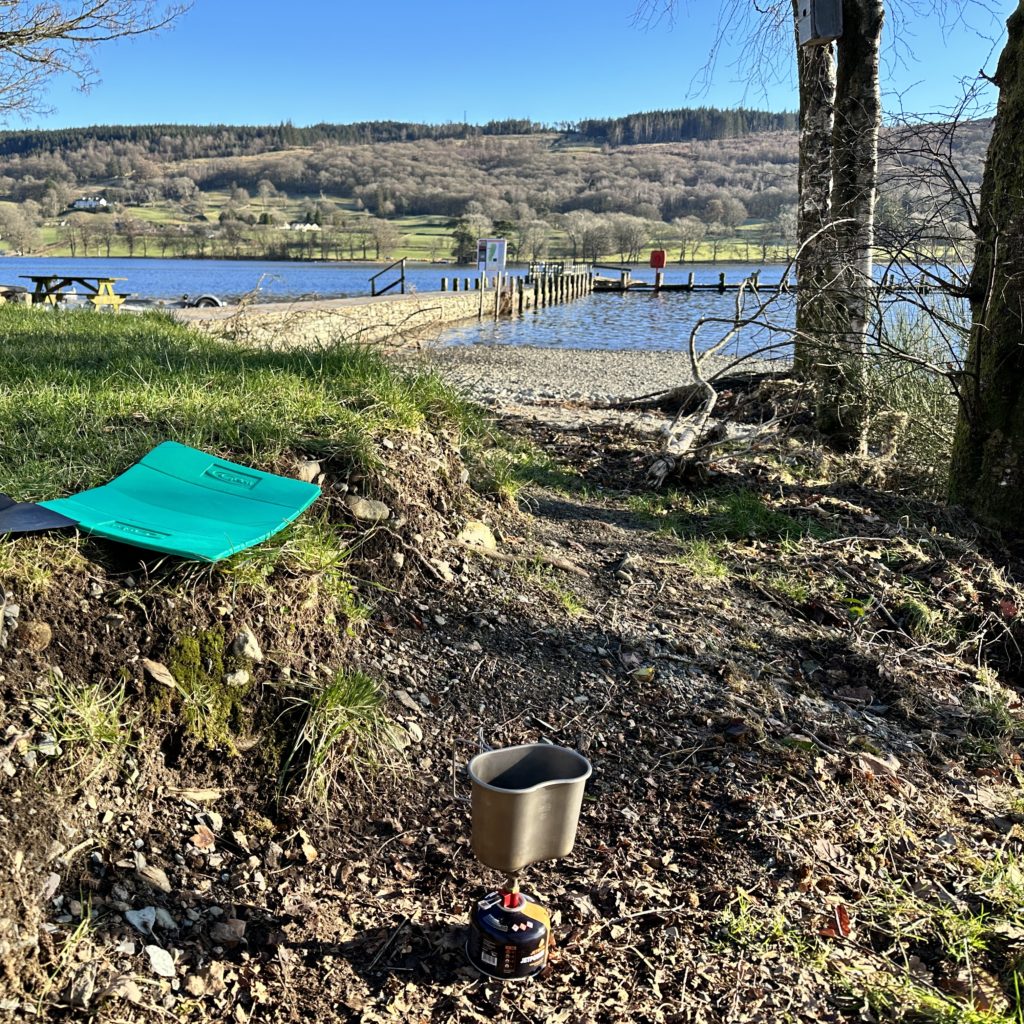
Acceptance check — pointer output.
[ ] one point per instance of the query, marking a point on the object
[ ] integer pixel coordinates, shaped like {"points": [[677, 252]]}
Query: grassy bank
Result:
{"points": [[83, 396]]}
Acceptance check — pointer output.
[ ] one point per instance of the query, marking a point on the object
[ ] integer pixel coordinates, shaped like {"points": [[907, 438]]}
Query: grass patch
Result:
{"points": [[727, 515], [344, 728], [702, 560], [912, 410], [901, 998], [82, 396], [89, 718], [314, 549], [504, 467]]}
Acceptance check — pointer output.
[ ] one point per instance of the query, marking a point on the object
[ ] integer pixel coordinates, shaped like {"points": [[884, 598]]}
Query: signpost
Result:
{"points": [[490, 259], [490, 255]]}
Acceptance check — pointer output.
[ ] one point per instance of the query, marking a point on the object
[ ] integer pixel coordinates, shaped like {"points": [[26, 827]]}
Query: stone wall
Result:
{"points": [[387, 319]]}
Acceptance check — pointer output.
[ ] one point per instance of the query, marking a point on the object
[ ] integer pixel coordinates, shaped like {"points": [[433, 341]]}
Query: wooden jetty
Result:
{"points": [[625, 283]]}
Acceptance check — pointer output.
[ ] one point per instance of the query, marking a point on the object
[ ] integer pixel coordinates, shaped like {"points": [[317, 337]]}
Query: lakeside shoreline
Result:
{"points": [[502, 375]]}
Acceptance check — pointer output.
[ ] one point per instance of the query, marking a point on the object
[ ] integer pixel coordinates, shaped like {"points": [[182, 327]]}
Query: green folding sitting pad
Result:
{"points": [[184, 502]]}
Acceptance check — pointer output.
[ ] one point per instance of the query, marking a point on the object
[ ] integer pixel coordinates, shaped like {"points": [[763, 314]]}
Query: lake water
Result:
{"points": [[228, 279], [606, 321], [602, 321]]}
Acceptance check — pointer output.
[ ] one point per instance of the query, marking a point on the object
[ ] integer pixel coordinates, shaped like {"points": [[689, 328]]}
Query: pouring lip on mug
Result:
{"points": [[585, 769]]}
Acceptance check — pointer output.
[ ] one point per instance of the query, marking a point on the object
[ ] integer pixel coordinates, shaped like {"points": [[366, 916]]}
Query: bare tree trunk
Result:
{"points": [[987, 470], [858, 115], [817, 80]]}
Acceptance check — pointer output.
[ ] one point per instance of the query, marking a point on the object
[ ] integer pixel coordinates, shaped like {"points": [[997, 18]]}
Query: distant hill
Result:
{"points": [[682, 125]]}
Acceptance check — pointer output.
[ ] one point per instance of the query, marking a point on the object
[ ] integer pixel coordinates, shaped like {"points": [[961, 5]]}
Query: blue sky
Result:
{"points": [[550, 60]]}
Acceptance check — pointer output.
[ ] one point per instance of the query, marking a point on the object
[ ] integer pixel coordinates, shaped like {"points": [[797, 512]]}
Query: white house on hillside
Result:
{"points": [[90, 203]]}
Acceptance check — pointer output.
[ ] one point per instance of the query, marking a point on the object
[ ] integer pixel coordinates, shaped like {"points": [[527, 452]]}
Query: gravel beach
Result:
{"points": [[525, 375]]}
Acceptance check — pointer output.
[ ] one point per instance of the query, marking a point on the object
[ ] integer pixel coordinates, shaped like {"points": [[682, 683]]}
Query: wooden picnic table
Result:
{"points": [[54, 288]]}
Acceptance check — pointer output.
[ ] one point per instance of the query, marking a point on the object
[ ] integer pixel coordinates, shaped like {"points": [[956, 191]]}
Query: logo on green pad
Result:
{"points": [[140, 531], [232, 477]]}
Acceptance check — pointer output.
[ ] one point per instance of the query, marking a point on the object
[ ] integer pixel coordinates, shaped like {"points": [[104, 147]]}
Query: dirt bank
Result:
{"points": [[805, 803]]}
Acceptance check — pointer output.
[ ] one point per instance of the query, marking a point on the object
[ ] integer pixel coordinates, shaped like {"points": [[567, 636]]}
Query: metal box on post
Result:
{"points": [[819, 21]]}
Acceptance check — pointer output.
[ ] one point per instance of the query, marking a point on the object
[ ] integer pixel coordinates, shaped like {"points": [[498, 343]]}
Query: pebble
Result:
{"points": [[142, 920], [366, 509], [415, 731], [160, 961], [164, 919], [406, 700], [477, 534], [47, 745], [239, 678], [35, 636], [246, 645]]}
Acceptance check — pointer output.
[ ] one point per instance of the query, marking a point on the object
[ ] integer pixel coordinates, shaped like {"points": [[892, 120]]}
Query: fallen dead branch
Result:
{"points": [[544, 558]]}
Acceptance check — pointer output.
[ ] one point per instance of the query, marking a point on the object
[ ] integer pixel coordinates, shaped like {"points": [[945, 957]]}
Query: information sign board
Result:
{"points": [[490, 255]]}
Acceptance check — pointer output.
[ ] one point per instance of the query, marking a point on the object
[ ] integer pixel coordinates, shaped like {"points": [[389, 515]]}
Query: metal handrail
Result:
{"points": [[400, 280]]}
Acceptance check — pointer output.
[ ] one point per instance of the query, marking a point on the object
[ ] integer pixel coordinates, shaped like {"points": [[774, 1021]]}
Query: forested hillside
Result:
{"points": [[705, 183]]}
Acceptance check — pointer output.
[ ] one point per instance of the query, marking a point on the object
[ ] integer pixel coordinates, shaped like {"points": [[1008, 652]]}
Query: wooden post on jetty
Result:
{"points": [[444, 284], [689, 281], [721, 283], [659, 279]]}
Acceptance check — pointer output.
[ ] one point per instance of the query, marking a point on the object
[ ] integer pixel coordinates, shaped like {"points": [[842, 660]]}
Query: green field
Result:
{"points": [[423, 237]]}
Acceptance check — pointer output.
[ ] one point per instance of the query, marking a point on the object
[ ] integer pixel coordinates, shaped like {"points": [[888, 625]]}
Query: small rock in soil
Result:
{"points": [[239, 678], [399, 737], [366, 509], [160, 961], [477, 534], [47, 745], [247, 646], [405, 699], [228, 932], [80, 991], [122, 988], [34, 636], [309, 471], [142, 920], [165, 920]]}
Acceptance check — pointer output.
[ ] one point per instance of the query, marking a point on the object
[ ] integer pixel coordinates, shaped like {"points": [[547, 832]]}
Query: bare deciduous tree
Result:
{"points": [[42, 38]]}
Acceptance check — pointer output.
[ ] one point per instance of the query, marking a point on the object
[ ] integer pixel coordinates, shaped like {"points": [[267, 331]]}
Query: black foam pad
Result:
{"points": [[26, 517]]}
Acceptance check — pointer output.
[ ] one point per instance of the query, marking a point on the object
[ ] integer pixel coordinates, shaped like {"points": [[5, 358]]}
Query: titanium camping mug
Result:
{"points": [[526, 804]]}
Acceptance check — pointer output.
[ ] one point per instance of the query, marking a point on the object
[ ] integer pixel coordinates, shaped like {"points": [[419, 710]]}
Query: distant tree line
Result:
{"points": [[176, 141], [683, 125]]}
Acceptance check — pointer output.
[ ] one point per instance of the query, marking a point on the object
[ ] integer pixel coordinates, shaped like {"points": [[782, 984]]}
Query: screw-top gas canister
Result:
{"points": [[509, 936]]}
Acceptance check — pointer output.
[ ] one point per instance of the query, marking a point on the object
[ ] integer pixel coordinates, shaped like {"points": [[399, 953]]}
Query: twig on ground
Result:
{"points": [[387, 945], [555, 561]]}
